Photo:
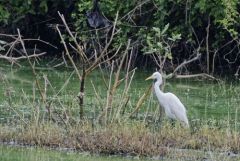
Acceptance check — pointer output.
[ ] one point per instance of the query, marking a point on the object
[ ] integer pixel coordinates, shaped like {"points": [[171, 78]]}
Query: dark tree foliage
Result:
{"points": [[35, 19], [209, 27]]}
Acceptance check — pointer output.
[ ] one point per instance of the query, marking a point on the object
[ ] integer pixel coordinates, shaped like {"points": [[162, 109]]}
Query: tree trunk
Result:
{"points": [[81, 94]]}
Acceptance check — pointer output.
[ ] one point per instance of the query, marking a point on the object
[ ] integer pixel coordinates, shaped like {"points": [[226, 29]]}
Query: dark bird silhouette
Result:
{"points": [[95, 19]]}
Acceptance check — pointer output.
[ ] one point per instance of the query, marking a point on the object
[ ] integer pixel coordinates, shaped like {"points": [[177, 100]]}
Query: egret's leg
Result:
{"points": [[161, 115]]}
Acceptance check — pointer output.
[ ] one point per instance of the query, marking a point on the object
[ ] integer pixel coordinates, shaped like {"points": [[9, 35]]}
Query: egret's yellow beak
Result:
{"points": [[151, 77]]}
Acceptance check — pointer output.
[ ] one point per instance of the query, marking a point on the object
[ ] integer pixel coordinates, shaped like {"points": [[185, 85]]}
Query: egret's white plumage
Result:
{"points": [[173, 107]]}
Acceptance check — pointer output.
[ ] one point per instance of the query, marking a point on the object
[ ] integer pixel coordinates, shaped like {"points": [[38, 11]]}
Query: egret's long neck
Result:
{"points": [[160, 95], [157, 90], [157, 82]]}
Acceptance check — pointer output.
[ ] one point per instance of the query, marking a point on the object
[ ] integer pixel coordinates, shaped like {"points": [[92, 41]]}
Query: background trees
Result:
{"points": [[187, 27]]}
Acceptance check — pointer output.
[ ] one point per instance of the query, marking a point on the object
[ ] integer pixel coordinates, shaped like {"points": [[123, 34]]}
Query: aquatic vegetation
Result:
{"points": [[212, 109]]}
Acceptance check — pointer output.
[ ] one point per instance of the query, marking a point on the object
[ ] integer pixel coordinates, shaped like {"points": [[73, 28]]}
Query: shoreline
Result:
{"points": [[184, 153], [134, 140]]}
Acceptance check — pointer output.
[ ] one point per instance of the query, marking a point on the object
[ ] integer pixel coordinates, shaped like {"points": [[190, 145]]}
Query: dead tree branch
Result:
{"points": [[174, 73], [33, 68], [207, 45], [14, 59], [9, 48]]}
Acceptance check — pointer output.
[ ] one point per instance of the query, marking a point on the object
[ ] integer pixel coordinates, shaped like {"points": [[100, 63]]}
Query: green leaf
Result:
{"points": [[157, 30], [43, 6], [169, 55], [2, 48], [175, 37], [3, 42], [159, 44], [165, 28]]}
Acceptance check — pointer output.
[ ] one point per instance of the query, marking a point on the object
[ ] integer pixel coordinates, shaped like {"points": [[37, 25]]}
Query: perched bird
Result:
{"points": [[173, 107], [95, 18]]}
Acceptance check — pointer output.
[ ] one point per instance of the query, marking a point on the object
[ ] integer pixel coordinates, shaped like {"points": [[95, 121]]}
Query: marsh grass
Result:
{"points": [[26, 120], [132, 138]]}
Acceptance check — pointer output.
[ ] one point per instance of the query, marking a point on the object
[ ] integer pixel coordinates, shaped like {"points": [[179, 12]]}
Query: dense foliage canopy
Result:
{"points": [[176, 28]]}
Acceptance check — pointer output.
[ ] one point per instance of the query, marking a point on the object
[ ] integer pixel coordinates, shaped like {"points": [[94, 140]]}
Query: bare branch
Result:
{"points": [[141, 100], [207, 45], [105, 48], [237, 72], [92, 67], [80, 51], [68, 54], [14, 59], [32, 66], [183, 64], [10, 47], [203, 75], [42, 41]]}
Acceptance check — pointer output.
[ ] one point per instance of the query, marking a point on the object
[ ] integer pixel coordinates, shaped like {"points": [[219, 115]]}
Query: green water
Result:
{"points": [[19, 98], [14, 153], [8, 153], [203, 99]]}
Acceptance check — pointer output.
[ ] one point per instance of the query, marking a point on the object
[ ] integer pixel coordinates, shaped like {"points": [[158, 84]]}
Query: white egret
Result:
{"points": [[173, 107]]}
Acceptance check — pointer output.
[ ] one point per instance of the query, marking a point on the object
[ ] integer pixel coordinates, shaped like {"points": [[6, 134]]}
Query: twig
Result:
{"points": [[141, 100], [45, 42], [13, 59], [207, 45], [68, 54], [196, 75], [105, 48], [98, 98], [237, 72], [213, 61], [135, 8], [173, 74], [80, 51], [32, 66]]}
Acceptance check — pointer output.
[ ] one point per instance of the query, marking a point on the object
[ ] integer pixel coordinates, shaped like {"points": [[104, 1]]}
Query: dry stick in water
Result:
{"points": [[141, 100], [68, 54], [105, 112], [83, 57], [117, 81], [207, 45], [103, 77], [174, 73], [55, 95], [98, 98], [32, 66], [33, 69], [124, 97], [11, 47], [80, 77], [21, 117]]}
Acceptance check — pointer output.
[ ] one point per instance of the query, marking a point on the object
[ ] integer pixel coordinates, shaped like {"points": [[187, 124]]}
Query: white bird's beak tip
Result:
{"points": [[149, 78]]}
